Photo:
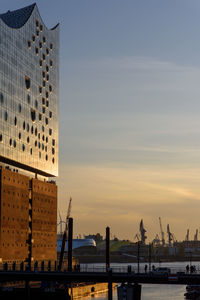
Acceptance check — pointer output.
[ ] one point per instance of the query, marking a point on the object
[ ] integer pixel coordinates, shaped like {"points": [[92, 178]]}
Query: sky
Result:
{"points": [[129, 113]]}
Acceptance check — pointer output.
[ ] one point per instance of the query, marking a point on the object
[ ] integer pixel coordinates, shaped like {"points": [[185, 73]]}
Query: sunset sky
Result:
{"points": [[129, 113]]}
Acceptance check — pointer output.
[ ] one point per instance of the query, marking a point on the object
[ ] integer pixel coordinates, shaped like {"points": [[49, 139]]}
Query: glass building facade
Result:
{"points": [[29, 92]]}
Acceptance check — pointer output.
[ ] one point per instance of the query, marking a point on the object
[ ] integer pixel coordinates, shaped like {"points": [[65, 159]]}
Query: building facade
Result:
{"points": [[28, 136], [29, 92]]}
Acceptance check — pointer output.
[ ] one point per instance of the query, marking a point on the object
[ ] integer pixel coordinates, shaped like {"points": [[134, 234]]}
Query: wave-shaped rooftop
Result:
{"points": [[17, 18]]}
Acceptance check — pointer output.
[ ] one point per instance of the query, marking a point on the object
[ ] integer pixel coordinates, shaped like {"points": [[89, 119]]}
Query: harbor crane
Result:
{"points": [[142, 232], [187, 235], [162, 233], [65, 235], [171, 236], [196, 235]]}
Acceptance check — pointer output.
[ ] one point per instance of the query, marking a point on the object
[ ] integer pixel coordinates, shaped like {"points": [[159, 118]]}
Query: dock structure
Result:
{"points": [[132, 279]]}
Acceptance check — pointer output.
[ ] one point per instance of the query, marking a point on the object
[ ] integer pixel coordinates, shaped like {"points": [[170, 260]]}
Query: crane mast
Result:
{"points": [[65, 235], [142, 232], [170, 235], [162, 233], [196, 235], [187, 235]]}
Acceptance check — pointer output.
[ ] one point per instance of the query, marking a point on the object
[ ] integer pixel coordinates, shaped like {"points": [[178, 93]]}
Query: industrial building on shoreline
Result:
{"points": [[28, 136]]}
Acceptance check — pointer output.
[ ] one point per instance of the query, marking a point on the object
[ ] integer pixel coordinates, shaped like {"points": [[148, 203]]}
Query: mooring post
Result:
{"points": [[138, 257], [27, 290], [149, 257], [70, 240], [110, 284], [137, 291], [107, 248]]}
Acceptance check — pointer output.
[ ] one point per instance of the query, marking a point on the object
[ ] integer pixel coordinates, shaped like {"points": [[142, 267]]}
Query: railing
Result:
{"points": [[23, 266], [134, 269], [49, 266]]}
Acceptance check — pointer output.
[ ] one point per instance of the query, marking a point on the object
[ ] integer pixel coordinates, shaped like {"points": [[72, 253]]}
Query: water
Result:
{"points": [[149, 291], [152, 292]]}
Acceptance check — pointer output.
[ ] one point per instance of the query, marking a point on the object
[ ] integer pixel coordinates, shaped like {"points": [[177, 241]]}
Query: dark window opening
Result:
{"points": [[1, 137], [27, 127], [50, 88], [47, 68], [19, 108], [40, 89], [47, 51], [10, 142], [33, 38], [50, 114], [36, 50], [14, 144], [40, 45], [47, 103], [43, 101], [47, 95], [36, 104], [23, 147], [24, 125], [15, 121], [5, 116], [1, 97], [43, 110], [40, 63], [50, 131], [37, 23], [44, 39], [29, 44], [33, 115], [27, 82], [40, 117], [53, 142], [28, 99], [28, 139], [51, 46], [20, 135], [46, 121], [51, 63]]}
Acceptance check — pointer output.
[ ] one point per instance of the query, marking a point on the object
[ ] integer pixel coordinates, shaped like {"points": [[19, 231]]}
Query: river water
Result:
{"points": [[149, 291]]}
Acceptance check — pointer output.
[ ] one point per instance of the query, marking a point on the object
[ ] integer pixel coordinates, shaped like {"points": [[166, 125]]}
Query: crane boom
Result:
{"points": [[162, 233], [65, 235]]}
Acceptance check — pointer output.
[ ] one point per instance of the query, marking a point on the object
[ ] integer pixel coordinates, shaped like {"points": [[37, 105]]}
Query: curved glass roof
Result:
{"points": [[17, 18]]}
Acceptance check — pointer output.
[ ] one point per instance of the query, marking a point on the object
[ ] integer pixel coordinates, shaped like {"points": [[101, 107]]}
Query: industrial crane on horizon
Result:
{"points": [[162, 233], [142, 232]]}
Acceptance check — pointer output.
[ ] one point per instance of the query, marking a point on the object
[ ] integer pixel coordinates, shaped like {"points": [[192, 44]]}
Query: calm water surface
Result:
{"points": [[150, 291]]}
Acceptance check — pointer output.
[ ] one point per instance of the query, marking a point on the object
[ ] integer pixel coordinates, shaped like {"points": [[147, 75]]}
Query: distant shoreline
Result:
{"points": [[86, 259]]}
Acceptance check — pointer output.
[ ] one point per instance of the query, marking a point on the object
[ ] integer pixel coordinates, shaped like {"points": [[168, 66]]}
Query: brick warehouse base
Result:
{"points": [[28, 218]]}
